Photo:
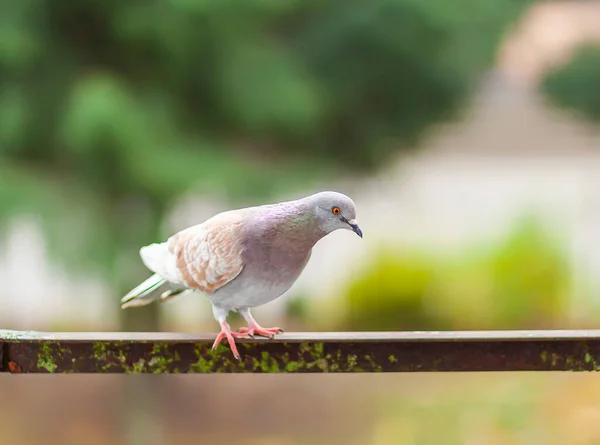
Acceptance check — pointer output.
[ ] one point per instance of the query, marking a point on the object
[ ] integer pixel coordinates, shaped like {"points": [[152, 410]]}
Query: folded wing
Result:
{"points": [[208, 256], [203, 257]]}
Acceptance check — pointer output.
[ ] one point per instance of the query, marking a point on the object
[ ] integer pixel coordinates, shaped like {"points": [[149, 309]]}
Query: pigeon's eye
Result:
{"points": [[336, 210]]}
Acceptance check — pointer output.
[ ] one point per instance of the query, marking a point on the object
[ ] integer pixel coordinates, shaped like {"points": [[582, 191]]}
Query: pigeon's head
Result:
{"points": [[335, 211]]}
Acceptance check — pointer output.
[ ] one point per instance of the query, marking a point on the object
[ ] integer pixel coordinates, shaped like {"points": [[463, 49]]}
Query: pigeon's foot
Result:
{"points": [[229, 335], [254, 329]]}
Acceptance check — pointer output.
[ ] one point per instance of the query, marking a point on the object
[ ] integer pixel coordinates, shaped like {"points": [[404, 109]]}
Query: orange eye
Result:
{"points": [[336, 210]]}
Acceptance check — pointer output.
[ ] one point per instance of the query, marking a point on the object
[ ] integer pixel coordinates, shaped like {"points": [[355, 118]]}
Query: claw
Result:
{"points": [[254, 329], [229, 335]]}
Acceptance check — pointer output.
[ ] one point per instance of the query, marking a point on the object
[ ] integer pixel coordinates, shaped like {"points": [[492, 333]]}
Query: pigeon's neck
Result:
{"points": [[295, 222]]}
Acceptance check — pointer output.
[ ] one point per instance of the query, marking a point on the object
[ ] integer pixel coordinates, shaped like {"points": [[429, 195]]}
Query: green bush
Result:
{"points": [[393, 293], [522, 281], [531, 278]]}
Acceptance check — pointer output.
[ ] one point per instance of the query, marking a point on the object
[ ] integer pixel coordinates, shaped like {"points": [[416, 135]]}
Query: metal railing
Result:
{"points": [[39, 352]]}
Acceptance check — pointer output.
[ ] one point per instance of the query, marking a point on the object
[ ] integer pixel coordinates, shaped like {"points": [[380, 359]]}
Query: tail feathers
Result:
{"points": [[145, 293], [153, 289], [170, 294]]}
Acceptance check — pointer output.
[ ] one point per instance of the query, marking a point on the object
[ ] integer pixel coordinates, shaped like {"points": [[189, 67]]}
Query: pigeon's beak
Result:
{"points": [[355, 227]]}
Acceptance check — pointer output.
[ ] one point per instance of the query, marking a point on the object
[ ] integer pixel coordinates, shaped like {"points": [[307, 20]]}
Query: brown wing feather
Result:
{"points": [[209, 255]]}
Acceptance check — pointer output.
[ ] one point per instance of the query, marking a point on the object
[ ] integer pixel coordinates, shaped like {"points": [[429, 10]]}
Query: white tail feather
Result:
{"points": [[159, 260]]}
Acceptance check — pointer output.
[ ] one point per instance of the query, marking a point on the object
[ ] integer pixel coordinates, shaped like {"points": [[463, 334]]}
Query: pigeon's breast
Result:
{"points": [[248, 290], [268, 272]]}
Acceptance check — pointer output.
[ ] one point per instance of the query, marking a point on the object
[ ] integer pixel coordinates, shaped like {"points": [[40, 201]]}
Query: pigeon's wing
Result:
{"points": [[208, 256]]}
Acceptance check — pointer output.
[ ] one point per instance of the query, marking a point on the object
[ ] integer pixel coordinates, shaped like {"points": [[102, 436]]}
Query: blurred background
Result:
{"points": [[467, 132]]}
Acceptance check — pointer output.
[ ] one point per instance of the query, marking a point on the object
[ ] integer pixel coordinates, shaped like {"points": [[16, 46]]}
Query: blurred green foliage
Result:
{"points": [[392, 293], [110, 109], [521, 281], [575, 85]]}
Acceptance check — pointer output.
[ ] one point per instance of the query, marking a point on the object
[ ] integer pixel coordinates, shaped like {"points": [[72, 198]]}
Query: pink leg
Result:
{"points": [[227, 333], [254, 328]]}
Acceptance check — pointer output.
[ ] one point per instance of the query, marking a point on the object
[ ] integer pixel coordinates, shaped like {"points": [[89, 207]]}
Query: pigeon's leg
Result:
{"points": [[221, 315], [254, 328]]}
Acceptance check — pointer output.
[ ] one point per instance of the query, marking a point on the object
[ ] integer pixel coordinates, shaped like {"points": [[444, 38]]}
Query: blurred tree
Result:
{"points": [[575, 84], [109, 109]]}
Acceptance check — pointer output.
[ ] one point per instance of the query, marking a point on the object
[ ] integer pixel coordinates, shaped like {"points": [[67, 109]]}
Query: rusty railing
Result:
{"points": [[37, 352]]}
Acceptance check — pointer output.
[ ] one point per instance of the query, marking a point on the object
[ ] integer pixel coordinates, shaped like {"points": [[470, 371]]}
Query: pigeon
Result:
{"points": [[243, 258]]}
